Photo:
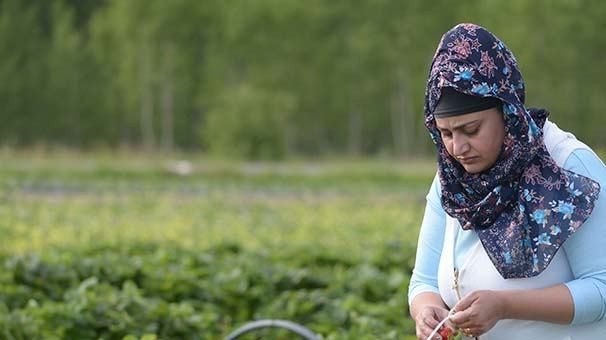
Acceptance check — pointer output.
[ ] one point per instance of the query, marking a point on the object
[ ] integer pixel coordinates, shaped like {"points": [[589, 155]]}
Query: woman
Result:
{"points": [[515, 223]]}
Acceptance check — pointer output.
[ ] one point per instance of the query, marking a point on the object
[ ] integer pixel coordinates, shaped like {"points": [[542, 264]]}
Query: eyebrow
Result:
{"points": [[459, 126]]}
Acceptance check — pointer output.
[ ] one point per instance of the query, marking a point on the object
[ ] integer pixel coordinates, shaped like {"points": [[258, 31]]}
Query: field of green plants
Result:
{"points": [[131, 247]]}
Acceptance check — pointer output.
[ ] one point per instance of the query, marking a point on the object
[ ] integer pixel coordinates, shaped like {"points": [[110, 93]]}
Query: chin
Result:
{"points": [[475, 168]]}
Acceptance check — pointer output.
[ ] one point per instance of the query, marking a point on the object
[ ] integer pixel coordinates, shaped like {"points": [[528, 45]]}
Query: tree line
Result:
{"points": [[269, 79]]}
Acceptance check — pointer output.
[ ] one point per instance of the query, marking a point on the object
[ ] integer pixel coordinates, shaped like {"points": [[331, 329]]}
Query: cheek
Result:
{"points": [[490, 147], [498, 141], [448, 146]]}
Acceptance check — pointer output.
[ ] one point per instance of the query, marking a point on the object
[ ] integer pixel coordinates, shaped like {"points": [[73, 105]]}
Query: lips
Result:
{"points": [[468, 160]]}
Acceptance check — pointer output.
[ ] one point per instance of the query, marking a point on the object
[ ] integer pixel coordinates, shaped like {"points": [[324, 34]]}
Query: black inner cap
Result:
{"points": [[454, 103]]}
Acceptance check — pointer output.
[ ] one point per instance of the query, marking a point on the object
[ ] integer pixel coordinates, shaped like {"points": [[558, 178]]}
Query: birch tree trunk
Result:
{"points": [[147, 101], [168, 98], [402, 124], [354, 143]]}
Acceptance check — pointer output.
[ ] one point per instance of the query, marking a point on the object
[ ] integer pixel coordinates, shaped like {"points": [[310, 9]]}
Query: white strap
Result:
{"points": [[435, 330]]}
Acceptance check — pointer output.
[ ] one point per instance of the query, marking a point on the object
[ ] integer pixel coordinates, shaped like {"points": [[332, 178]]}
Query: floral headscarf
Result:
{"points": [[525, 206]]}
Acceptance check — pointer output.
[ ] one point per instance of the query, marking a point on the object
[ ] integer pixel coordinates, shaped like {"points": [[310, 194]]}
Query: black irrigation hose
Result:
{"points": [[289, 325]]}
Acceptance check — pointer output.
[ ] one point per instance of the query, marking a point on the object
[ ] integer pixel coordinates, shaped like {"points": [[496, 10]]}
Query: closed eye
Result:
{"points": [[472, 132]]}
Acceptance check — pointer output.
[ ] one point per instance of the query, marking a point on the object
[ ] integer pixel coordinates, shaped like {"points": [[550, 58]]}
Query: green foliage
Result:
{"points": [[147, 290], [270, 79], [248, 123], [120, 248]]}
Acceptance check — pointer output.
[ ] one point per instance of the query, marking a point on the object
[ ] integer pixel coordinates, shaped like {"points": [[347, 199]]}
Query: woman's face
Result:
{"points": [[474, 139]]}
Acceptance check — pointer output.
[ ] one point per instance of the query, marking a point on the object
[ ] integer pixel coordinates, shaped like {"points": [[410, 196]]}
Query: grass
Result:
{"points": [[76, 202]]}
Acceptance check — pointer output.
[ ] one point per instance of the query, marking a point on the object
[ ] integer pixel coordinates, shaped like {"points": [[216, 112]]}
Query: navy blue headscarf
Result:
{"points": [[525, 206]]}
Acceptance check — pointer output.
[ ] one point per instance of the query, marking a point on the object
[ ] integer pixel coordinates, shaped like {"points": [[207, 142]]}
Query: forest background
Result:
{"points": [[272, 79]]}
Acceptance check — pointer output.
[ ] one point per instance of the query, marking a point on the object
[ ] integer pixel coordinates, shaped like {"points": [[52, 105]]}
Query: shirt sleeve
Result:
{"points": [[429, 248], [585, 248]]}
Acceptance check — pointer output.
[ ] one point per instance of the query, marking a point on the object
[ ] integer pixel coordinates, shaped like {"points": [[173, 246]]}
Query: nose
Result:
{"points": [[460, 145]]}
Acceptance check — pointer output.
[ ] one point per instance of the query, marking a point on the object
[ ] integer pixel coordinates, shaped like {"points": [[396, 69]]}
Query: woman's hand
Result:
{"points": [[478, 312], [427, 319]]}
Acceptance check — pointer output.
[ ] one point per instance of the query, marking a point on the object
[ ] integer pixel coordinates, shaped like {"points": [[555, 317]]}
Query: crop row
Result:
{"points": [[169, 292]]}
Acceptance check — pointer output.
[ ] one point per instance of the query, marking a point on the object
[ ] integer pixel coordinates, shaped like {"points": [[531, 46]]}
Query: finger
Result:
{"points": [[451, 325], [424, 332], [466, 323], [442, 314], [431, 322], [474, 333], [435, 337], [429, 319], [468, 327], [465, 302], [468, 331], [460, 318]]}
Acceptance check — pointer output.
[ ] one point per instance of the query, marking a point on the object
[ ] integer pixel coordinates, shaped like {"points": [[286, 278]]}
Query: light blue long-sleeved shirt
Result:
{"points": [[585, 250]]}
